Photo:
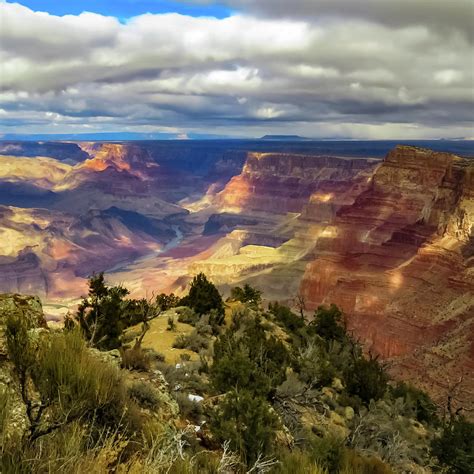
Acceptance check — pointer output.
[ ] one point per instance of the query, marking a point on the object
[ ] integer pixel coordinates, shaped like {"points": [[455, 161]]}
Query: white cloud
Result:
{"points": [[353, 70]]}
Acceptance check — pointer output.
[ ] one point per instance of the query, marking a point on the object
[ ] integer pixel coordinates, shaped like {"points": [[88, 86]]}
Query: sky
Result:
{"points": [[361, 69]]}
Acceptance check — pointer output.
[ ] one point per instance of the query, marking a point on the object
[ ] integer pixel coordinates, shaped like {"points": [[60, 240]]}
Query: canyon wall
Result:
{"points": [[390, 242], [400, 262]]}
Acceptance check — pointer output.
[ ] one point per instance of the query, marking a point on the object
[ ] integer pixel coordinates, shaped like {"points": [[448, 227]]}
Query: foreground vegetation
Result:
{"points": [[268, 390]]}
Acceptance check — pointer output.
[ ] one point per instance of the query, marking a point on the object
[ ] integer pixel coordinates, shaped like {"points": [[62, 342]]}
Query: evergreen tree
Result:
{"points": [[101, 314], [247, 294], [203, 297], [328, 323]]}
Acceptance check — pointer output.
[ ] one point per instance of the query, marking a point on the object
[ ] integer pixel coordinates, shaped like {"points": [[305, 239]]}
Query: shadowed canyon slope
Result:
{"points": [[389, 240]]}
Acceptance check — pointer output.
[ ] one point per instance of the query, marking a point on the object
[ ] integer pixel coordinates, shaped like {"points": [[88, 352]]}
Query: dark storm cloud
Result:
{"points": [[439, 14], [364, 68]]}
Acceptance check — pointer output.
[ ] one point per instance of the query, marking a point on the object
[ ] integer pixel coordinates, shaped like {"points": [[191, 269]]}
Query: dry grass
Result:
{"points": [[161, 340]]}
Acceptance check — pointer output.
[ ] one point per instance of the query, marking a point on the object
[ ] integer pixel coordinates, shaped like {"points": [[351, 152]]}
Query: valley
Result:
{"points": [[389, 237]]}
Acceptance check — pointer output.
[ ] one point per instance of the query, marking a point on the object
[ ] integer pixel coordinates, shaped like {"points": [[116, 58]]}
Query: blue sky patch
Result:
{"points": [[124, 9]]}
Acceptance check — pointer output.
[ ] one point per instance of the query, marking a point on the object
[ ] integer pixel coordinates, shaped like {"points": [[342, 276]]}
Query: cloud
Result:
{"points": [[442, 15], [345, 71]]}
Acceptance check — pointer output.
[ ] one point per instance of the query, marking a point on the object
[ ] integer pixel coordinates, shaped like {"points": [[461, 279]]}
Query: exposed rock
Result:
{"points": [[395, 260]]}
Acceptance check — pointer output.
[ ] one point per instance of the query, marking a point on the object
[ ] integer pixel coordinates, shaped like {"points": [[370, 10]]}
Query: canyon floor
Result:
{"points": [[384, 231]]}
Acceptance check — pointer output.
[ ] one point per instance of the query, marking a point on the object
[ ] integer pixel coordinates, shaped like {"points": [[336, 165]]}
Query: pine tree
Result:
{"points": [[203, 297]]}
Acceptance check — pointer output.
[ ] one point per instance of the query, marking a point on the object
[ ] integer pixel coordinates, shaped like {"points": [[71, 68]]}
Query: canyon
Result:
{"points": [[389, 237]]}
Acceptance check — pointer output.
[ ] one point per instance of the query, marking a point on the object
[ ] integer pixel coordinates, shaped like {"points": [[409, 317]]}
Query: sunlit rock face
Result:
{"points": [[280, 183], [390, 241], [399, 261], [51, 253], [62, 222]]}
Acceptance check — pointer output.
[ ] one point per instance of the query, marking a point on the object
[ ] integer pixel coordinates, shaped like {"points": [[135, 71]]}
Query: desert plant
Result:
{"points": [[326, 451], [455, 447], [247, 422], [144, 394], [247, 294], [192, 341], [135, 359], [366, 378], [328, 323], [171, 324], [419, 402], [166, 302], [187, 315], [188, 408]]}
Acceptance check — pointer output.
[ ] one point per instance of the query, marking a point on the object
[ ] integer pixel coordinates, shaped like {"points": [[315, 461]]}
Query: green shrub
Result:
{"points": [[144, 394], [285, 317], [424, 409], [171, 324], [314, 367], [75, 383], [101, 315], [189, 409], [455, 447], [187, 315], [366, 379], [153, 355], [194, 342], [355, 463], [203, 297], [247, 294], [248, 359], [297, 462], [165, 302], [327, 323], [247, 422], [327, 451]]}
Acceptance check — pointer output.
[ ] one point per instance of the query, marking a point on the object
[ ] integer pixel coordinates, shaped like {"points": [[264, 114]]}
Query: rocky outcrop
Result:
{"points": [[52, 253], [399, 261], [390, 242], [280, 183]]}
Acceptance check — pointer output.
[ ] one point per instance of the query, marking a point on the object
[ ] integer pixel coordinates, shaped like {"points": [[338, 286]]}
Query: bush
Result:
{"points": [[355, 463], [247, 294], [187, 315], [171, 324], [248, 359], [153, 355], [145, 395], [327, 451], [297, 462], [314, 366], [135, 359], [366, 379], [190, 409], [423, 407], [194, 342], [165, 302], [247, 422], [328, 323], [285, 317], [383, 431], [101, 314], [455, 447]]}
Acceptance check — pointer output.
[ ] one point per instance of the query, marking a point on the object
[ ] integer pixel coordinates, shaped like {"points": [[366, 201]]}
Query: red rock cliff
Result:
{"points": [[399, 261], [280, 183]]}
